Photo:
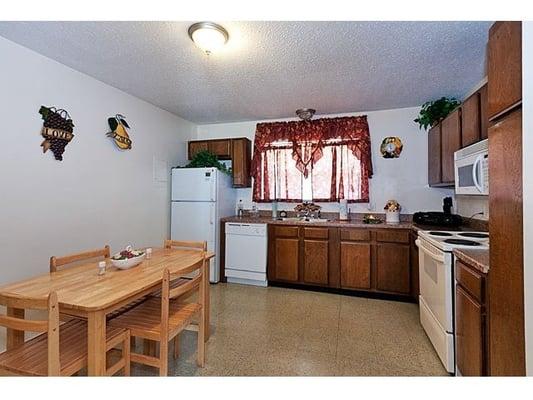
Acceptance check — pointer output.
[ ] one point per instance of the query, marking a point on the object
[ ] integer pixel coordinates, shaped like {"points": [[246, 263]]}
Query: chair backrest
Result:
{"points": [[50, 325], [169, 244], [192, 285], [59, 263]]}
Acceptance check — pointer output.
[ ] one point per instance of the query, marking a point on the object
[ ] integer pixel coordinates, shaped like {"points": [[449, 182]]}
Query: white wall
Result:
{"points": [[97, 195], [527, 138], [403, 179]]}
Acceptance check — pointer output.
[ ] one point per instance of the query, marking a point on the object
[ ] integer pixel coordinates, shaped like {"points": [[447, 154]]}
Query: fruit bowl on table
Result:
{"points": [[128, 258]]}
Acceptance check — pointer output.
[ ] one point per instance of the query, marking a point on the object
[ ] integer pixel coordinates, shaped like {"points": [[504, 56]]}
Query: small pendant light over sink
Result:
{"points": [[208, 36]]}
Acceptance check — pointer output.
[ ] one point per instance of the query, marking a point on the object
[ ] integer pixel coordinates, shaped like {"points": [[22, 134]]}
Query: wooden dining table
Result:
{"points": [[82, 292]]}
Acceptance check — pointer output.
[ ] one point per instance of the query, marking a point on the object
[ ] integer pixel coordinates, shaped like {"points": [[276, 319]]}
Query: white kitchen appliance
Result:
{"points": [[437, 286], [472, 169], [246, 253], [200, 197]]}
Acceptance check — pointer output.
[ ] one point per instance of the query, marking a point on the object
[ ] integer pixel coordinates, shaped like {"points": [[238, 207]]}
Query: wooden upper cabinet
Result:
{"points": [[483, 111], [241, 153], [238, 150], [196, 147], [434, 156], [504, 67], [450, 142], [392, 268], [471, 120], [355, 263]]}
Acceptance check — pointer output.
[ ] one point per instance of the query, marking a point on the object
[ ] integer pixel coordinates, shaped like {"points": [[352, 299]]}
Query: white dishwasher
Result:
{"points": [[246, 253]]}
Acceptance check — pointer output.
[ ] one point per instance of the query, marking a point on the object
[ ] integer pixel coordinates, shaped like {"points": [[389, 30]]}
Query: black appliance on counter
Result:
{"points": [[437, 218]]}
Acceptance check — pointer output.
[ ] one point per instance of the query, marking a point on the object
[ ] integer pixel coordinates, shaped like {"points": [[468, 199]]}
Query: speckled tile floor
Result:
{"points": [[287, 332]]}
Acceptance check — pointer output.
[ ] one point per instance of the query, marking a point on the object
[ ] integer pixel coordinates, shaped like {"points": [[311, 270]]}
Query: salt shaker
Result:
{"points": [[101, 267], [148, 253]]}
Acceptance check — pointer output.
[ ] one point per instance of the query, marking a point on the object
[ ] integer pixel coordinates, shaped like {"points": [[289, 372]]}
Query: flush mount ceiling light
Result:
{"points": [[305, 113], [208, 36]]}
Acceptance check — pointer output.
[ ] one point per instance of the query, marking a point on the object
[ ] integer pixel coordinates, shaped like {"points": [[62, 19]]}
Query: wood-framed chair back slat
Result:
{"points": [[26, 325], [17, 301], [57, 262], [186, 287], [185, 244]]}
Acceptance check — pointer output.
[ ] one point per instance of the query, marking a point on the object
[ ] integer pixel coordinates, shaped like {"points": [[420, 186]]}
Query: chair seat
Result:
{"points": [[31, 358], [145, 320]]}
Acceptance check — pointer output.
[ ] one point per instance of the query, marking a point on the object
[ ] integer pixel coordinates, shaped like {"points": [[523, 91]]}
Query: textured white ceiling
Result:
{"points": [[269, 69]]}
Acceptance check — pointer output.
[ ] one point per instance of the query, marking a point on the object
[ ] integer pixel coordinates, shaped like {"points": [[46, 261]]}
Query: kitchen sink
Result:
{"points": [[303, 219]]}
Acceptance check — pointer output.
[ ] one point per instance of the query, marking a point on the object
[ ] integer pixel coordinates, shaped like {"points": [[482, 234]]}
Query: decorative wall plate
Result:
{"points": [[57, 130], [391, 147], [118, 132]]}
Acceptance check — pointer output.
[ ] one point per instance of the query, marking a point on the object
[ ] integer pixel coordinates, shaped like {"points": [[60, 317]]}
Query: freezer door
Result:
{"points": [[194, 184]]}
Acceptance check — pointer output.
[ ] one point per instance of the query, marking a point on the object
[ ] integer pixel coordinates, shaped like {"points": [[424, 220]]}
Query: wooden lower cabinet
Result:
{"points": [[346, 258], [471, 321], [392, 268], [316, 261], [287, 256], [355, 265]]}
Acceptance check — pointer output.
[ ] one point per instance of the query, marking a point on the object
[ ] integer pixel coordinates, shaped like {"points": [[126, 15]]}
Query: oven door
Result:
{"points": [[436, 283]]}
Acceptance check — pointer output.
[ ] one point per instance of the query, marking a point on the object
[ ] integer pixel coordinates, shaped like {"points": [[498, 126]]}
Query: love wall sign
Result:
{"points": [[57, 130]]}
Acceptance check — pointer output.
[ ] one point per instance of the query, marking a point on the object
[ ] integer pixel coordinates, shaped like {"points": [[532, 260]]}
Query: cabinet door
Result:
{"points": [[240, 161], [355, 265], [434, 155], [506, 277], [451, 142], [483, 111], [471, 120], [392, 268], [196, 147], [286, 259], [413, 254], [316, 260], [469, 326], [504, 66], [221, 148]]}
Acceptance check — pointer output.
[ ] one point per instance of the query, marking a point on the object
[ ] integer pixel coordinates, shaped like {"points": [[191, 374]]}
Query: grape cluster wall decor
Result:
{"points": [[118, 132], [57, 130]]}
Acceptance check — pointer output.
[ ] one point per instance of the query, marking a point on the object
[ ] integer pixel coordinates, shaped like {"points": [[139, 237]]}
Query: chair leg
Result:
{"points": [[176, 346], [126, 353], [149, 347], [163, 358], [200, 361]]}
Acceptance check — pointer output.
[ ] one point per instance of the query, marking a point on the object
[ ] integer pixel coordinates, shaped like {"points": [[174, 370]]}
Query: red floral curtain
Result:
{"points": [[333, 150]]}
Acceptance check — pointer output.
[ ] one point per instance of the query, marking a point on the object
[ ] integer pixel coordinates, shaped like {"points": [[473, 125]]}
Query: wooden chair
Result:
{"points": [[70, 261], [161, 319], [59, 350], [177, 244]]}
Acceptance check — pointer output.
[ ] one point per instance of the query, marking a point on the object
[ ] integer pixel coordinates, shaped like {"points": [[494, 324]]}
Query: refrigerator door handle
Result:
{"points": [[211, 216], [213, 189]]}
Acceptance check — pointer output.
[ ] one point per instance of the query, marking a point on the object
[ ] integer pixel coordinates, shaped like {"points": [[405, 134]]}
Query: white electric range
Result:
{"points": [[437, 285]]}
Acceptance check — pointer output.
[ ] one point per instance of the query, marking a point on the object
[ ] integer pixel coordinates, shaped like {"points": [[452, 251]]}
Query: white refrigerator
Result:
{"points": [[199, 198]]}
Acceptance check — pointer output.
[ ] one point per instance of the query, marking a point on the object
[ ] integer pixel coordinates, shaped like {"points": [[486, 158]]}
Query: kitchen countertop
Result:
{"points": [[477, 258], [354, 223]]}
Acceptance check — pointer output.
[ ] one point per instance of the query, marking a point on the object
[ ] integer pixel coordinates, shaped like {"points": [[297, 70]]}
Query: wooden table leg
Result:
{"points": [[96, 344], [14, 338]]}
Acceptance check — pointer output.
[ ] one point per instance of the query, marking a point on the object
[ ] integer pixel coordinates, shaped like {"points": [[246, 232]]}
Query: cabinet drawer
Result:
{"points": [[316, 233], [472, 281], [393, 236], [286, 231], [355, 234]]}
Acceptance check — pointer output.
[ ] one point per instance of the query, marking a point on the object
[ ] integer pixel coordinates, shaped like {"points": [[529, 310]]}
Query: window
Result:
{"points": [[295, 163]]}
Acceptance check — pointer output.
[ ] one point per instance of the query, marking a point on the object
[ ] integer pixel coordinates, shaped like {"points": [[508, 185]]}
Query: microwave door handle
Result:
{"points": [[475, 169]]}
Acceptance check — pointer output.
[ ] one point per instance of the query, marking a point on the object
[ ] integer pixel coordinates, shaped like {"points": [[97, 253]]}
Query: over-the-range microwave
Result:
{"points": [[472, 169]]}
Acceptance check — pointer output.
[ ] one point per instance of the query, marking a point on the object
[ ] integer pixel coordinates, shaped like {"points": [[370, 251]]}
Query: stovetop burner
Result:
{"points": [[437, 233], [463, 242], [474, 235]]}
